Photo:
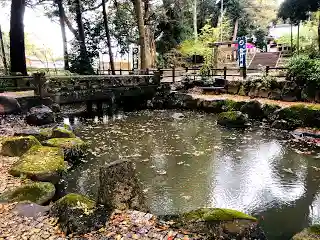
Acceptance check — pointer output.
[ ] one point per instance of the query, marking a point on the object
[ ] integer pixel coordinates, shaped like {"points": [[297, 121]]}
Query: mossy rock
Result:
{"points": [[300, 115], [78, 214], [38, 192], [233, 119], [73, 148], [269, 109], [41, 164], [225, 223], [39, 133], [61, 132], [230, 105], [17, 146], [215, 214], [310, 233], [253, 109]]}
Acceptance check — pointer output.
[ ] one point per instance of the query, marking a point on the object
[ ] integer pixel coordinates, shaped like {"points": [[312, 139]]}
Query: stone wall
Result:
{"points": [[277, 90]]}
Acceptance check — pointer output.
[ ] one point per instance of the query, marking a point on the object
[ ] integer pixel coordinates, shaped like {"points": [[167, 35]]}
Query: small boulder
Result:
{"points": [[27, 209], [120, 187], [253, 109], [269, 109], [60, 132], [225, 223], [38, 192], [310, 233], [55, 107], [17, 146], [73, 148], [40, 115], [282, 124], [233, 119], [9, 105], [78, 214], [40, 164]]}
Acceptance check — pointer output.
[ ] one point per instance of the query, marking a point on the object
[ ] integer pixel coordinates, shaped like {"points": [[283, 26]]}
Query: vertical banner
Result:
{"points": [[242, 51], [135, 58]]}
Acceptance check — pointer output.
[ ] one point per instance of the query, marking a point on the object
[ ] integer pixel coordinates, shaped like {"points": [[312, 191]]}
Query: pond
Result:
{"points": [[186, 161]]}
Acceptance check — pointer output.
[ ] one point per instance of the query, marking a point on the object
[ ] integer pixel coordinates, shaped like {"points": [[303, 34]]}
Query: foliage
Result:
{"points": [[305, 71]]}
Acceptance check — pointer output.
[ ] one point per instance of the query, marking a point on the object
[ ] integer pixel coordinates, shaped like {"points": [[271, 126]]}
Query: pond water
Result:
{"points": [[189, 162]]}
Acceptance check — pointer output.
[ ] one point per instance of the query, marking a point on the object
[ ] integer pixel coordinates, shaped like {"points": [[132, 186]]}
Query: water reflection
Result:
{"points": [[191, 162]]}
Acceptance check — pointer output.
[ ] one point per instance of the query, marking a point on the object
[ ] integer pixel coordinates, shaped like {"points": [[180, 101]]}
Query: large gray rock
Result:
{"points": [[40, 115], [9, 105], [120, 188]]}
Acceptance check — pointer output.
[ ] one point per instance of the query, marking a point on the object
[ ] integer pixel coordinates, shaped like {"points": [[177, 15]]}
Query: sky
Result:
{"points": [[42, 31]]}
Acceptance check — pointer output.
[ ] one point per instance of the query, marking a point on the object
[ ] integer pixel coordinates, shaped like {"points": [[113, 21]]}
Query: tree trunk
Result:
{"points": [[84, 60], [3, 54], [17, 46], [195, 30], [150, 42], [234, 38], [319, 31], [142, 35], [106, 26], [63, 33]]}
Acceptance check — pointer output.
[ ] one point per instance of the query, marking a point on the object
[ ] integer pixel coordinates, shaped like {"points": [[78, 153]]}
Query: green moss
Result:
{"points": [[17, 146], [39, 192], [41, 161], [61, 132], [315, 229], [234, 119], [216, 214], [45, 133], [75, 200]]}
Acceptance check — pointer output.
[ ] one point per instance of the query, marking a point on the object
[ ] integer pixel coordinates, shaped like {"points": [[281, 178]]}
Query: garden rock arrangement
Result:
{"points": [[17, 146]]}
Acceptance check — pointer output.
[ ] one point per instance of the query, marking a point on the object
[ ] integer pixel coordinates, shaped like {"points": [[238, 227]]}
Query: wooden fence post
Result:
{"points": [[225, 72]]}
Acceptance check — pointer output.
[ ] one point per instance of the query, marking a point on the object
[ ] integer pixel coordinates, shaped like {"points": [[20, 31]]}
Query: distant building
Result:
{"points": [[276, 32], [35, 62]]}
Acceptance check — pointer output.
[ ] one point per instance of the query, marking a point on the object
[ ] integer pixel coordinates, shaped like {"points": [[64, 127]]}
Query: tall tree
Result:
{"points": [[62, 19], [84, 59], [144, 53], [17, 45], [107, 30]]}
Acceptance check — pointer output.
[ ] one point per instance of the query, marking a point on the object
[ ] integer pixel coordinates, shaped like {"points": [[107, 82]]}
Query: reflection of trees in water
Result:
{"points": [[249, 180]]}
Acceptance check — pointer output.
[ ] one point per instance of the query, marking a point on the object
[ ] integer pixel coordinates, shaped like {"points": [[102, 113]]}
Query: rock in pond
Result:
{"points": [[220, 223], [269, 109], [40, 164], [38, 192], [40, 115], [61, 132], [233, 119], [78, 214], [282, 124], [310, 233], [73, 148], [9, 105], [39, 133], [253, 109], [17, 146], [119, 187]]}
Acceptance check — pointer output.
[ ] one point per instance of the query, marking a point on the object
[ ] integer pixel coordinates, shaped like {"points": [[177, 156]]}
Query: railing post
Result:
{"points": [[39, 83], [108, 71], [225, 72], [173, 74], [267, 70], [120, 71]]}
